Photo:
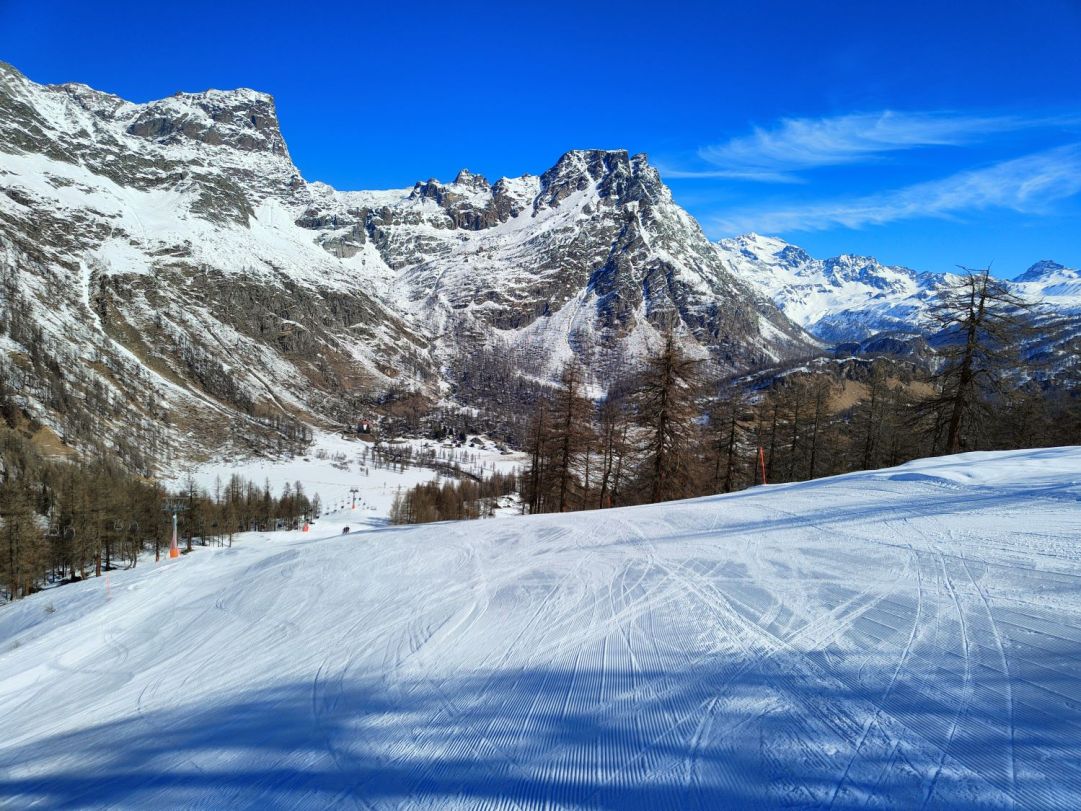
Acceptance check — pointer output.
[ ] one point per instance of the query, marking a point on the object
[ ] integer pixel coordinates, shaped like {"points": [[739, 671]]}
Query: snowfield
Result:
{"points": [[904, 638], [334, 466]]}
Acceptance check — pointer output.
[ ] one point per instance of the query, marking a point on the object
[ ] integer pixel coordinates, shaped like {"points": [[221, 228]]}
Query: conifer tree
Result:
{"points": [[614, 446], [570, 438], [666, 401], [728, 439], [980, 322]]}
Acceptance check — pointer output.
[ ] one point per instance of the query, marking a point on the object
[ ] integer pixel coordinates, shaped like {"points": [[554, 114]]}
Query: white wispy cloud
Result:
{"points": [[777, 154], [1029, 184]]}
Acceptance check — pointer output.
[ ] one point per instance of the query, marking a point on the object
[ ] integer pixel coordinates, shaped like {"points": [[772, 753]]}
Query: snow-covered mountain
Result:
{"points": [[851, 299], [167, 260], [1053, 284], [168, 279], [841, 299], [153, 276], [588, 258]]}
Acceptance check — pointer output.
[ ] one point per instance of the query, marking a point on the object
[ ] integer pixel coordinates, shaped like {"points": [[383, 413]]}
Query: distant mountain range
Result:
{"points": [[170, 280], [850, 298], [856, 301]]}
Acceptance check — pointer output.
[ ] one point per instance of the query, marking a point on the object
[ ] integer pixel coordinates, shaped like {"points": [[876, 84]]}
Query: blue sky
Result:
{"points": [[924, 133]]}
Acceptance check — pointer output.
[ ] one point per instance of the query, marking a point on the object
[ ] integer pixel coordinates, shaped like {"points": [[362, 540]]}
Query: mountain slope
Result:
{"points": [[846, 298], [168, 259], [894, 638], [150, 260], [590, 259]]}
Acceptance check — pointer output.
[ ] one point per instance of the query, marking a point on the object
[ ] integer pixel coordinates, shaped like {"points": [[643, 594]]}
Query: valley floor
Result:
{"points": [[904, 638]]}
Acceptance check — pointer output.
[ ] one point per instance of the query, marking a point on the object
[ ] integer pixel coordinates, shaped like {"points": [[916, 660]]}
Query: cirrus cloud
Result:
{"points": [[1028, 184], [793, 145]]}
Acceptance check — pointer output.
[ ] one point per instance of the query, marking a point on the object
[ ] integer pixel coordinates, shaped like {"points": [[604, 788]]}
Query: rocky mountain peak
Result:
{"points": [[98, 103], [467, 178], [759, 248], [594, 163], [243, 119], [1042, 270], [579, 170], [11, 77], [326, 292], [617, 177], [867, 271], [793, 256]]}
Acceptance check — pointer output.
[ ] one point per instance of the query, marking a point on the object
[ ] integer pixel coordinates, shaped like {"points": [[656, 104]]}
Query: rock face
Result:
{"points": [[169, 257], [592, 259], [241, 119], [155, 291]]}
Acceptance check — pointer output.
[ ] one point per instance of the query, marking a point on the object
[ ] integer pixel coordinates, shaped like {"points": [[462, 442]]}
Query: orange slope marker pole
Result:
{"points": [[174, 550]]}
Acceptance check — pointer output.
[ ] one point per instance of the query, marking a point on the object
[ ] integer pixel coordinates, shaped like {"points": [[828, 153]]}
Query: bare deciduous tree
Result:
{"points": [[666, 402], [980, 322]]}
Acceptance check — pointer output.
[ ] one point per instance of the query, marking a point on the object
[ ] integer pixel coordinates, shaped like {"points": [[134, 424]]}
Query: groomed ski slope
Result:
{"points": [[907, 638]]}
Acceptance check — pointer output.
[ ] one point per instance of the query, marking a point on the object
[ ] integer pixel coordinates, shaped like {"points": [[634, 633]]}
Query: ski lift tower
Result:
{"points": [[353, 491]]}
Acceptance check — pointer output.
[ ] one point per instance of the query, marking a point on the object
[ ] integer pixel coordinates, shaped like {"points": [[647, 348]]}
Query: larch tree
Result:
{"points": [[22, 538], [571, 435], [537, 448], [820, 393], [560, 442], [614, 424], [980, 321], [666, 401], [729, 438]]}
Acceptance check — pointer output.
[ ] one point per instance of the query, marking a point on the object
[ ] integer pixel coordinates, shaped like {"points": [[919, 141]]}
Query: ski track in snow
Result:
{"points": [[896, 639]]}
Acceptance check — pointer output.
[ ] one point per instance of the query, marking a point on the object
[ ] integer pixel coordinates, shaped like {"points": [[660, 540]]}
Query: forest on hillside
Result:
{"points": [[668, 430]]}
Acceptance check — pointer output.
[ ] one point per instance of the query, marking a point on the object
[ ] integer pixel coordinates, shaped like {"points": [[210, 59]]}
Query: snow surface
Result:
{"points": [[903, 638], [334, 465]]}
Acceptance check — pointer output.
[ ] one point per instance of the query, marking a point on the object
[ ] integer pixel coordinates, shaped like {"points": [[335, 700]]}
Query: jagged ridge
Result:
{"points": [[177, 240]]}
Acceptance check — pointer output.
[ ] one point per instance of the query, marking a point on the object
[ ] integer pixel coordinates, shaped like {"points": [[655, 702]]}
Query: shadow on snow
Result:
{"points": [[756, 733]]}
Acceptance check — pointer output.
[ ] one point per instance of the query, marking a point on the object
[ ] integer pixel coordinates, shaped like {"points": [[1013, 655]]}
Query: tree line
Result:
{"points": [[64, 521], [670, 431], [452, 500], [665, 431]]}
